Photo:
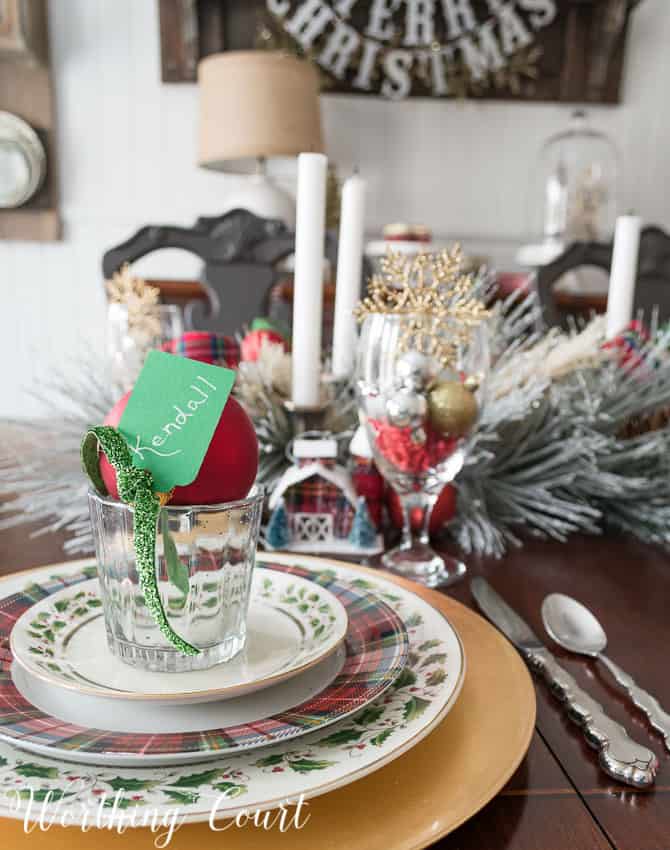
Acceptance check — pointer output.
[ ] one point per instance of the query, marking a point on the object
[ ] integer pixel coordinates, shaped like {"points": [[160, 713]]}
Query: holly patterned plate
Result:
{"points": [[319, 762], [112, 732], [291, 626]]}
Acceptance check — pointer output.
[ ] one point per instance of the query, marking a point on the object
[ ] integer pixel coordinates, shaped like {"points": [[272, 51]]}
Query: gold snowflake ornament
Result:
{"points": [[435, 298], [140, 299]]}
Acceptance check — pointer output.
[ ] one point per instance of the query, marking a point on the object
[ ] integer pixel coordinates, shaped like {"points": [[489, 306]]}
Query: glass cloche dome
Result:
{"points": [[575, 186]]}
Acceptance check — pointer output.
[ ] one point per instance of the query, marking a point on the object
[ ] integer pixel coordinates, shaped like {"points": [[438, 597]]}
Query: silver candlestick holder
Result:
{"points": [[337, 402]]}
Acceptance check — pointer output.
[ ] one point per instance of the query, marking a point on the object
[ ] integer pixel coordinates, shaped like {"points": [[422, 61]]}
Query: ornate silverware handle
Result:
{"points": [[620, 757], [658, 718]]}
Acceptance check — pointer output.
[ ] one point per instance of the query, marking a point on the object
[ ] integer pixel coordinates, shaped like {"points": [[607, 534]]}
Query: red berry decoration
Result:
{"points": [[252, 342], [228, 470], [261, 330], [401, 448]]}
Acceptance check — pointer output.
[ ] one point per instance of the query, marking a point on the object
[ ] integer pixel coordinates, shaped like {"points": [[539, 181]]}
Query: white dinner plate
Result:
{"points": [[116, 732], [292, 625], [134, 718], [317, 763]]}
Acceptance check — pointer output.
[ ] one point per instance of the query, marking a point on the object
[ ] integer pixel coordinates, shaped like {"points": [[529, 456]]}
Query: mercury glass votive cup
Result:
{"points": [[205, 556]]}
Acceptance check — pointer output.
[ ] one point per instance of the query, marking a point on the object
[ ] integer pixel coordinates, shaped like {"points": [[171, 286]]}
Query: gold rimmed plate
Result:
{"points": [[293, 625], [410, 704]]}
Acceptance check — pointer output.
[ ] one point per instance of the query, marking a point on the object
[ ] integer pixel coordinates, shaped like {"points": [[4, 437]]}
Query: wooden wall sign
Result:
{"points": [[23, 32], [559, 50]]}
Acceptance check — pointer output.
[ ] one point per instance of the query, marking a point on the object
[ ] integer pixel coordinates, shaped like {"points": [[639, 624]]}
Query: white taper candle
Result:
{"points": [[623, 274], [349, 273], [310, 225]]}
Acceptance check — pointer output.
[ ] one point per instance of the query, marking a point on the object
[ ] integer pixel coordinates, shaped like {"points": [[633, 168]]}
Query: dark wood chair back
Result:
{"points": [[240, 252], [653, 276]]}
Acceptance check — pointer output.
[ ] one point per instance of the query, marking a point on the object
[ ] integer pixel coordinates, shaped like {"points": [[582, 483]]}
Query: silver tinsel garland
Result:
{"points": [[41, 479]]}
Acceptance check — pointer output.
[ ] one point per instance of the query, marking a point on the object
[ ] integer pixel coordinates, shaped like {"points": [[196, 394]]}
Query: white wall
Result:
{"points": [[127, 154]]}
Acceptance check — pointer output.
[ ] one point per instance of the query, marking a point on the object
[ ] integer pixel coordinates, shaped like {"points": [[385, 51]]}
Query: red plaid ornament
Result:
{"points": [[218, 349]]}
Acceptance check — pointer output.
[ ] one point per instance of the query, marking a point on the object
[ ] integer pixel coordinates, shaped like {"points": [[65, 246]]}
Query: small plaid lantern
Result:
{"points": [[317, 500]]}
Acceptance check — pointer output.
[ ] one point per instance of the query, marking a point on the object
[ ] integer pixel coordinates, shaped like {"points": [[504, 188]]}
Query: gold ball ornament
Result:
{"points": [[453, 408]]}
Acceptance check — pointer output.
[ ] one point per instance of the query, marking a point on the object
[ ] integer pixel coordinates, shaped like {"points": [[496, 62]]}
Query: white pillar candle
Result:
{"points": [[310, 226], [623, 274], [349, 272]]}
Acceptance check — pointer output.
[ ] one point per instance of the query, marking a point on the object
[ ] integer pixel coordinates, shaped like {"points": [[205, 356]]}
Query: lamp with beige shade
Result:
{"points": [[256, 106]]}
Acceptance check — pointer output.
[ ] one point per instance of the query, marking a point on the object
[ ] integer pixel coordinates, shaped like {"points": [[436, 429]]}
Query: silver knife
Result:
{"points": [[620, 756]]}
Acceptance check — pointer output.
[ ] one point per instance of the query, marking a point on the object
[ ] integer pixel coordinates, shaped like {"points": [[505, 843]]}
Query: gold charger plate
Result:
{"points": [[412, 802]]}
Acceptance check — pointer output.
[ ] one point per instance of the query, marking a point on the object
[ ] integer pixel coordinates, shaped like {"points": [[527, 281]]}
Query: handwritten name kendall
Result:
{"points": [[180, 421]]}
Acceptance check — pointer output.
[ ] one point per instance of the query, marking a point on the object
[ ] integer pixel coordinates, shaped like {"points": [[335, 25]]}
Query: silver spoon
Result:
{"points": [[576, 629]]}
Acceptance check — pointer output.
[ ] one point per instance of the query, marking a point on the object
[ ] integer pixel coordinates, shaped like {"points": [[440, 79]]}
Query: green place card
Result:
{"points": [[172, 414]]}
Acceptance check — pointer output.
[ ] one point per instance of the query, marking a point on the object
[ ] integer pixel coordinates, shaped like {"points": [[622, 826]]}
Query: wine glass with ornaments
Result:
{"points": [[422, 364]]}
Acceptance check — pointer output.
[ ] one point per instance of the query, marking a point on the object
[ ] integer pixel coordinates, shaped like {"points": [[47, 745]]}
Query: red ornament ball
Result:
{"points": [[228, 470], [443, 510]]}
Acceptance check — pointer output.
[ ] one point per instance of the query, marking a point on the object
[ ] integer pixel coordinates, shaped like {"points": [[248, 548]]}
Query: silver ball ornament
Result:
{"points": [[406, 408], [413, 369]]}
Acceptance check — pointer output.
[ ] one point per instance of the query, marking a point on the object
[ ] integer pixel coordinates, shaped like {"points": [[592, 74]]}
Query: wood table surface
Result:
{"points": [[558, 799]]}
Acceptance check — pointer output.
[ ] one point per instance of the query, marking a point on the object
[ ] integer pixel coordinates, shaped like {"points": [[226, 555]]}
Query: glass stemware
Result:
{"points": [[129, 342], [420, 412]]}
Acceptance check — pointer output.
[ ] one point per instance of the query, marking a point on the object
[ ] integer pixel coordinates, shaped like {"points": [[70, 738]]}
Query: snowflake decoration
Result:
{"points": [[434, 297], [139, 298]]}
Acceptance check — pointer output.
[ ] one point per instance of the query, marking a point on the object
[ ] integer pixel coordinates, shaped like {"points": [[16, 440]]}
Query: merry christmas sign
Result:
{"points": [[536, 49], [560, 50]]}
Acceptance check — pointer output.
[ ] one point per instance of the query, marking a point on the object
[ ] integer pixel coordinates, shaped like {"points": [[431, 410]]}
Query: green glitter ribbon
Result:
{"points": [[135, 488]]}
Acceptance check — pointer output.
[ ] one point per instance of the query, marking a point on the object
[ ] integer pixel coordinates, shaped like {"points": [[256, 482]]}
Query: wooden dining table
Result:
{"points": [[558, 799]]}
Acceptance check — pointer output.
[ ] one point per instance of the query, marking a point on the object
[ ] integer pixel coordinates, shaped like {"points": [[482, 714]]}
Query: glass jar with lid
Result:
{"points": [[575, 187]]}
